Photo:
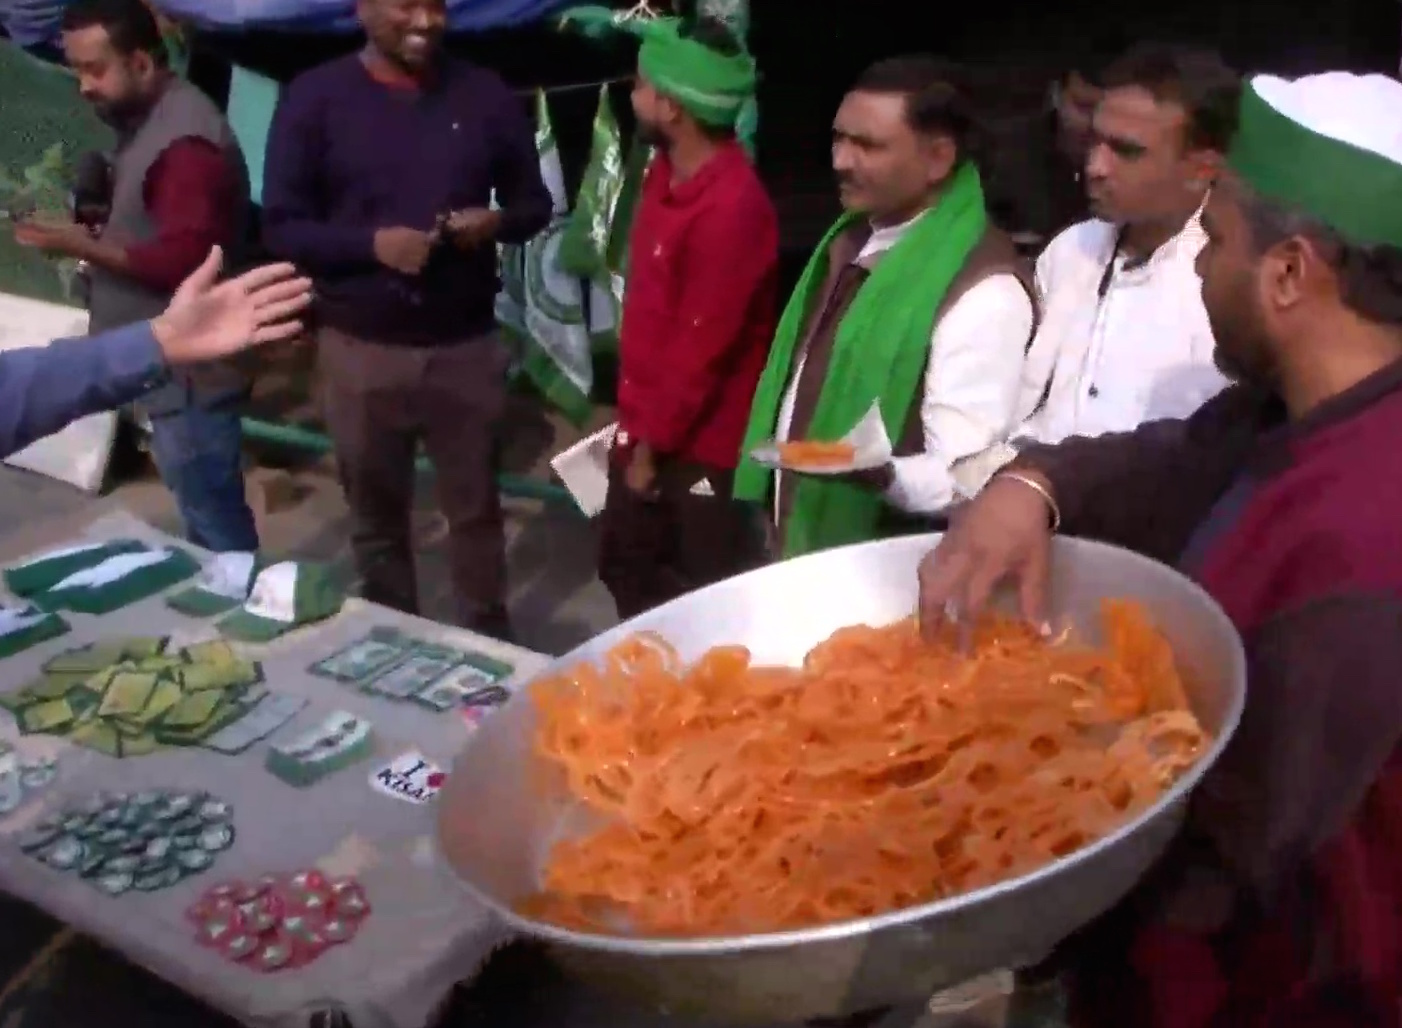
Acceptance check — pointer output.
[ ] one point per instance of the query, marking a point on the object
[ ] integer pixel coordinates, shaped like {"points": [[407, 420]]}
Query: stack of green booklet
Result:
{"points": [[129, 697], [340, 740], [98, 578], [25, 626]]}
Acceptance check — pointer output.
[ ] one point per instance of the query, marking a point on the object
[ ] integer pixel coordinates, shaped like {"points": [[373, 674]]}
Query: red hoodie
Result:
{"points": [[698, 312]]}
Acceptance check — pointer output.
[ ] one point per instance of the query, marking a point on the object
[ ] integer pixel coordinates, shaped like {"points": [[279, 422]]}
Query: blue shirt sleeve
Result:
{"points": [[44, 388]]}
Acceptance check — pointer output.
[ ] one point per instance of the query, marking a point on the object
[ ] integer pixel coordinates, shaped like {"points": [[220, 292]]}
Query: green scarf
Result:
{"points": [[710, 86], [880, 353]]}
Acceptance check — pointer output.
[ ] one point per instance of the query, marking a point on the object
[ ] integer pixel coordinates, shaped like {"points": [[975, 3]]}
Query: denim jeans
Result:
{"points": [[199, 453]]}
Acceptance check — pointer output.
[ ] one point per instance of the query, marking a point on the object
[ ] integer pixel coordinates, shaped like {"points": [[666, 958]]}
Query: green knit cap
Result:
{"points": [[710, 86], [1329, 145]]}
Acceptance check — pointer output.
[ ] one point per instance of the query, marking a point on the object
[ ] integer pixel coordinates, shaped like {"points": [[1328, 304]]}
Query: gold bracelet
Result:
{"points": [[1041, 491]]}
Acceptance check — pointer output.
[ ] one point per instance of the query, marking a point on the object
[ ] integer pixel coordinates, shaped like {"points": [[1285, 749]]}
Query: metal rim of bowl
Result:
{"points": [[717, 945]]}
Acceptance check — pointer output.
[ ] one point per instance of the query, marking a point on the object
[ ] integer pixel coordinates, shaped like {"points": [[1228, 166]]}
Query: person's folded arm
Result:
{"points": [[727, 279], [969, 395], [1148, 489], [44, 388], [294, 222], [525, 201]]}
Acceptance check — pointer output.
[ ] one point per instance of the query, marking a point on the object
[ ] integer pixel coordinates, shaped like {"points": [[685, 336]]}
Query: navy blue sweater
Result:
{"points": [[349, 154]]}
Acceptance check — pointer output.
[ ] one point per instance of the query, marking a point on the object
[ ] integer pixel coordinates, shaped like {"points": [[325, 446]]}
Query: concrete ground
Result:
{"points": [[50, 978]]}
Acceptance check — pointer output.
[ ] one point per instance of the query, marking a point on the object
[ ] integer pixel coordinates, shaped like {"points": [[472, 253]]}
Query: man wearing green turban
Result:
{"points": [[714, 84], [698, 315], [703, 66]]}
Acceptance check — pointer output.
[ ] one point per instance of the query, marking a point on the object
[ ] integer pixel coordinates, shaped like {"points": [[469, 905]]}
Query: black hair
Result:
{"points": [[1096, 53], [130, 25], [1197, 80], [713, 34], [1370, 276], [936, 104]]}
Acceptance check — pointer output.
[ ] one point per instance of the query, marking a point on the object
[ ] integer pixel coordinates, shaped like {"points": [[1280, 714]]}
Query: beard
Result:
{"points": [[117, 112], [111, 113], [1241, 353], [1243, 350], [650, 134]]}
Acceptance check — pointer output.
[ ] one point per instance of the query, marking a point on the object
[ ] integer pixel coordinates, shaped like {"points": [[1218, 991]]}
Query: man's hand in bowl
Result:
{"points": [[205, 321], [1002, 535]]}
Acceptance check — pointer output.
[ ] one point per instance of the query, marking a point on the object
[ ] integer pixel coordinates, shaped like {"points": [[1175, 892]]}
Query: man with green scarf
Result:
{"points": [[912, 301], [698, 315]]}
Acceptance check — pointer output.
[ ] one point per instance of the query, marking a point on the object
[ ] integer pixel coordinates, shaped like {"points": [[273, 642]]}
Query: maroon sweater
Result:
{"points": [[1281, 904]]}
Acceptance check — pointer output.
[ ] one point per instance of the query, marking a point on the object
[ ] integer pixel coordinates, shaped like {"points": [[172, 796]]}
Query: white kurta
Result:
{"points": [[970, 398], [1140, 352]]}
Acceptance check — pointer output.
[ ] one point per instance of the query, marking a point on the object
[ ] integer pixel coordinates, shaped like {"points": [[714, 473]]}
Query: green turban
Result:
{"points": [[714, 89], [711, 87]]}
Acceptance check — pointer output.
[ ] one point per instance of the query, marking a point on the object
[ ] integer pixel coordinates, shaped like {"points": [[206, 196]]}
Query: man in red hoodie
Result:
{"points": [[698, 316]]}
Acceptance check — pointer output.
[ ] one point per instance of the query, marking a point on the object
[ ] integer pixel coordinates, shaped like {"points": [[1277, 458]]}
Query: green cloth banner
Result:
{"points": [[541, 304]]}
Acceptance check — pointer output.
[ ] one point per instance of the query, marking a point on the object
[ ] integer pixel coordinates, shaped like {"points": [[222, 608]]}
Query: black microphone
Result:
{"points": [[92, 190]]}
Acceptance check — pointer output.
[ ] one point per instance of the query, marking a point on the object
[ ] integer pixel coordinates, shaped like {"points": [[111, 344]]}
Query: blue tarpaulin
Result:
{"points": [[30, 22]]}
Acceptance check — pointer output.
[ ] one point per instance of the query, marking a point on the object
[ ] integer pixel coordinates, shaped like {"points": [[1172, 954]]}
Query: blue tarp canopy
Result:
{"points": [[339, 15], [30, 22]]}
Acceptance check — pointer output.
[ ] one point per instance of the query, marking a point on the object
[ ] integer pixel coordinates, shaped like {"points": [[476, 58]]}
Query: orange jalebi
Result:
{"points": [[810, 453], [886, 771]]}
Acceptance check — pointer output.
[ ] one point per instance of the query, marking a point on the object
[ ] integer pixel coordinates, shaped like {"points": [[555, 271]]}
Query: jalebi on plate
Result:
{"points": [[812, 453], [885, 772]]}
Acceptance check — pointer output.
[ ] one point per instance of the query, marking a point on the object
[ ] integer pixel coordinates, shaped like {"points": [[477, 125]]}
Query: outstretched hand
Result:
{"points": [[1002, 535], [205, 321]]}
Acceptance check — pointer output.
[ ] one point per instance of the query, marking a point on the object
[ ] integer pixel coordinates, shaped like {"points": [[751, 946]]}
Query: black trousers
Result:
{"points": [[689, 534]]}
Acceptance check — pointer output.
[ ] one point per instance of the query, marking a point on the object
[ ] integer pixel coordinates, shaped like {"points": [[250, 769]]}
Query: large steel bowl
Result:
{"points": [[497, 818]]}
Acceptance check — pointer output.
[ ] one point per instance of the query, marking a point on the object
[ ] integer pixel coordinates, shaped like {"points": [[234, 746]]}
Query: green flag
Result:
{"points": [[585, 241], [541, 305], [621, 224], [606, 284]]}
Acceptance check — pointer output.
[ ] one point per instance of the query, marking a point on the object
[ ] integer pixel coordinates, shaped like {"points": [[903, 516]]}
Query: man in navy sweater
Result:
{"points": [[379, 177]]}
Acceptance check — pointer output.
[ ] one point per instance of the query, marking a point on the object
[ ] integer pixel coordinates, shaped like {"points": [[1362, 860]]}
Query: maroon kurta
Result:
{"points": [[1281, 904]]}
